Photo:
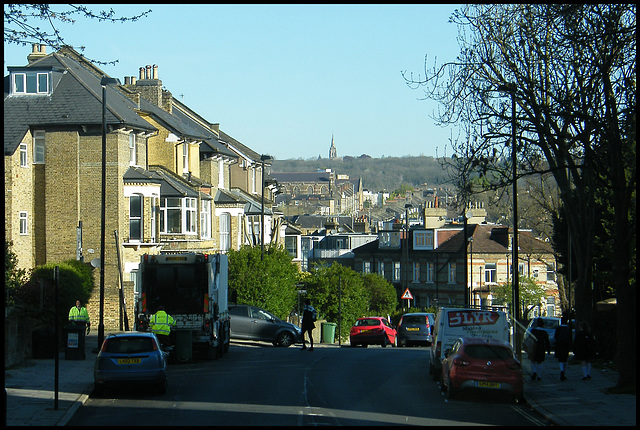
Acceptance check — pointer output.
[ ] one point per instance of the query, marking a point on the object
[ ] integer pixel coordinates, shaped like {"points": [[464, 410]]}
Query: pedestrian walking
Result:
{"points": [[309, 316], [161, 323], [538, 351], [79, 317], [584, 348], [562, 337]]}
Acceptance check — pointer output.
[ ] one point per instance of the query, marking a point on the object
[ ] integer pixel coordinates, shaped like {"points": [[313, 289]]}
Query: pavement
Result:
{"points": [[30, 391]]}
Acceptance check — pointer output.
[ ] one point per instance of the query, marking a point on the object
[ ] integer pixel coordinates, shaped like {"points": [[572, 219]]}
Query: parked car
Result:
{"points": [[254, 323], [548, 324], [130, 357], [481, 363], [372, 331], [415, 329], [454, 323]]}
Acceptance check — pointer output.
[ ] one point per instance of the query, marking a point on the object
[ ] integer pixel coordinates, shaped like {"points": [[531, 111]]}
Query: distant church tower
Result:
{"points": [[333, 153]]}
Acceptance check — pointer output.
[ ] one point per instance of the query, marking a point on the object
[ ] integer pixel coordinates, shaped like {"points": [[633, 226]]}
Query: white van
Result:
{"points": [[454, 323]]}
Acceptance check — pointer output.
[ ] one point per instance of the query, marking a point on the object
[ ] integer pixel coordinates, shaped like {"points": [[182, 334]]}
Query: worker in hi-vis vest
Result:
{"points": [[161, 323], [79, 316]]}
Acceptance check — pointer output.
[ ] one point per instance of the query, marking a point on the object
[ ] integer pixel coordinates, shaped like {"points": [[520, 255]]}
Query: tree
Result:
{"points": [[571, 70], [21, 23], [268, 283], [383, 299], [14, 277], [337, 288], [531, 294]]}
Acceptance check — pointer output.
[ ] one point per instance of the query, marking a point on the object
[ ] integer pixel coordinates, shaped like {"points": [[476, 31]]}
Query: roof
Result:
{"points": [[170, 185], [75, 100], [291, 177]]}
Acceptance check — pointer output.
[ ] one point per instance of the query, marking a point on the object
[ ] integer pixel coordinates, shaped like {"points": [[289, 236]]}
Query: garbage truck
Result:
{"points": [[193, 288]]}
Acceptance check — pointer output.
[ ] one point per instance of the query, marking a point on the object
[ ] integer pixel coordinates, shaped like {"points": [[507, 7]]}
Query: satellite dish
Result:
{"points": [[95, 262]]}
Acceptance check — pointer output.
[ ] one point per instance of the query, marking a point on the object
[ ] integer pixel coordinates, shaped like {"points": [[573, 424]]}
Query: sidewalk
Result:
{"points": [[30, 388], [575, 402]]}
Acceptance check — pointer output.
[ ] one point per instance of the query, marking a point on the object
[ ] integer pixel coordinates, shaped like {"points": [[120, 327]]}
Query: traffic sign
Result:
{"points": [[407, 295]]}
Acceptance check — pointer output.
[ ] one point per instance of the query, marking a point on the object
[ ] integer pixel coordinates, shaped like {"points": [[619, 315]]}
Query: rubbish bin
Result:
{"points": [[74, 345], [184, 347], [328, 332]]}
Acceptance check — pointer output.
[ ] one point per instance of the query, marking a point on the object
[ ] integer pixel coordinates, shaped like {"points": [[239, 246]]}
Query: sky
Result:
{"points": [[285, 79]]}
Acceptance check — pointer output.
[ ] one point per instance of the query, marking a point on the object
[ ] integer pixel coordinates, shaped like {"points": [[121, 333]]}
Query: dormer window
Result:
{"points": [[30, 82]]}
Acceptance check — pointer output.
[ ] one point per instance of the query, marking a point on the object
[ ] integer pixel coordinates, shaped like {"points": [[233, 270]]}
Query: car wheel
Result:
{"points": [[285, 339]]}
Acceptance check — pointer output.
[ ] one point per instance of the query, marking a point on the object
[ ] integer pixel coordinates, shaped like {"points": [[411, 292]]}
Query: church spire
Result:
{"points": [[333, 153]]}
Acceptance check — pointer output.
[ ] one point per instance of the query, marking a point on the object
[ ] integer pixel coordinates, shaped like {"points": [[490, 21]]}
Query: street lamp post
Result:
{"points": [[263, 158], [407, 206], [511, 89], [104, 82]]}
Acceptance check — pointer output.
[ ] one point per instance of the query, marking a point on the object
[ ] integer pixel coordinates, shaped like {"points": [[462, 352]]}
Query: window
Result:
{"points": [[490, 273], [205, 219], [416, 272], [396, 271], [24, 225], [423, 239], [170, 215], [190, 215], [153, 218], [452, 273], [38, 146], [135, 217], [23, 155], [132, 149], [366, 267], [381, 268], [551, 276], [225, 232], [185, 157], [430, 272], [291, 245], [31, 83]]}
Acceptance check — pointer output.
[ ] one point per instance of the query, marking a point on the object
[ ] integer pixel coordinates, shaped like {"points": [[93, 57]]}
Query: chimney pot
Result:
{"points": [[141, 70], [147, 73], [133, 80], [43, 48], [155, 71], [127, 80], [35, 48]]}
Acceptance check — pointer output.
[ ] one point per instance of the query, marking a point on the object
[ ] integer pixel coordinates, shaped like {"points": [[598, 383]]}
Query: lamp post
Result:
{"points": [[511, 89], [263, 158], [103, 82], [407, 206]]}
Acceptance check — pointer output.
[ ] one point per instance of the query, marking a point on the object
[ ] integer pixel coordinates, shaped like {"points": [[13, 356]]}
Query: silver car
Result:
{"points": [[416, 328]]}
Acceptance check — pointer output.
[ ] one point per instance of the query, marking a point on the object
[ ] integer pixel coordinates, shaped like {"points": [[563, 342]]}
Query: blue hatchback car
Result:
{"points": [[130, 357]]}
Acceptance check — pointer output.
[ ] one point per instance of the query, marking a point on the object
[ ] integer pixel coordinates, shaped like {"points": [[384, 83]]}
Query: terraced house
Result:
{"points": [[174, 181]]}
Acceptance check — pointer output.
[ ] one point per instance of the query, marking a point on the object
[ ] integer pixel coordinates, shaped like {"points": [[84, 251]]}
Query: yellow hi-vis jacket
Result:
{"points": [[161, 323], [79, 315]]}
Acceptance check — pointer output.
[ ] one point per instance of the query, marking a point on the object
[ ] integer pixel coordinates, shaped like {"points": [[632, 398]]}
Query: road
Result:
{"points": [[258, 384]]}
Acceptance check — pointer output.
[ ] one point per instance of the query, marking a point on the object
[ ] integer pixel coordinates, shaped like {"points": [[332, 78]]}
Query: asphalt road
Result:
{"points": [[258, 384]]}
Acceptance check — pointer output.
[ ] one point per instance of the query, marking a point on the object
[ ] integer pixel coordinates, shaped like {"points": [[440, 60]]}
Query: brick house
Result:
{"points": [[169, 181]]}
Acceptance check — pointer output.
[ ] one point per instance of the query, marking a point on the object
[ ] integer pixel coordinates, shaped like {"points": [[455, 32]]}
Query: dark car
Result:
{"points": [[254, 323], [372, 331], [415, 329], [130, 357], [481, 364]]}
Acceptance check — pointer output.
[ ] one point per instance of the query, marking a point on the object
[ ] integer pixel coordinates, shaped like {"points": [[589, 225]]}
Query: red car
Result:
{"points": [[480, 363], [372, 331]]}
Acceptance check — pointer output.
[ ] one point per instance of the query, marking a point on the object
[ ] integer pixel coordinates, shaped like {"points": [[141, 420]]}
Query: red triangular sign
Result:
{"points": [[407, 295]]}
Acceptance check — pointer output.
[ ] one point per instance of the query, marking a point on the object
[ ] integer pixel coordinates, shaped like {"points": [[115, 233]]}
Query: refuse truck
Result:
{"points": [[193, 289]]}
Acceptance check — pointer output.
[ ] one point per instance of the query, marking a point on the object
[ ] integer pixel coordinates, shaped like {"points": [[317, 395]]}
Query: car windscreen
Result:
{"points": [[488, 352], [548, 323], [129, 345], [414, 319], [361, 323]]}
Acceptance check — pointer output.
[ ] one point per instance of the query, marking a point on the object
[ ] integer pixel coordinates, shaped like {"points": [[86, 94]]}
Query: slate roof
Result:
{"points": [[170, 185], [245, 150], [75, 100], [293, 177]]}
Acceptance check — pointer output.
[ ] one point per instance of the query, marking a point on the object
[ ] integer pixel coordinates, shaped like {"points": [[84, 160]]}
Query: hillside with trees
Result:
{"points": [[377, 174]]}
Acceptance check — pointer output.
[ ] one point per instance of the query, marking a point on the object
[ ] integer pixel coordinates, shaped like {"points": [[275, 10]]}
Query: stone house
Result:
{"points": [[169, 173]]}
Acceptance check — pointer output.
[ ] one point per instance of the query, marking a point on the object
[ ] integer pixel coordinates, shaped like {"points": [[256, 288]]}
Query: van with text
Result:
{"points": [[455, 323]]}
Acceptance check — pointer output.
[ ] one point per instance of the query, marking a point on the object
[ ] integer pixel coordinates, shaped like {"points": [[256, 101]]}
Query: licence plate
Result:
{"points": [[128, 360], [413, 329], [364, 331], [484, 384]]}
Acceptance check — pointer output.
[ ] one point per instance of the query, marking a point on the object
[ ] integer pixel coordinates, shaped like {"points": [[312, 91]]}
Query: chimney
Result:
{"points": [[127, 80], [38, 51], [133, 80]]}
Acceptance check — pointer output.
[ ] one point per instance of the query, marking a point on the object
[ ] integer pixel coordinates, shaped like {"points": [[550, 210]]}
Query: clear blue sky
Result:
{"points": [[282, 79]]}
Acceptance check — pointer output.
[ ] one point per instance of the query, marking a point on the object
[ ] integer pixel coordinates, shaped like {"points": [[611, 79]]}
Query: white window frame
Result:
{"points": [[39, 146], [396, 271], [430, 272], [185, 157], [190, 212], [416, 272], [138, 218], [133, 146], [452, 273], [24, 223], [490, 273], [205, 219], [24, 155], [381, 268], [225, 231], [366, 267], [23, 77]]}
